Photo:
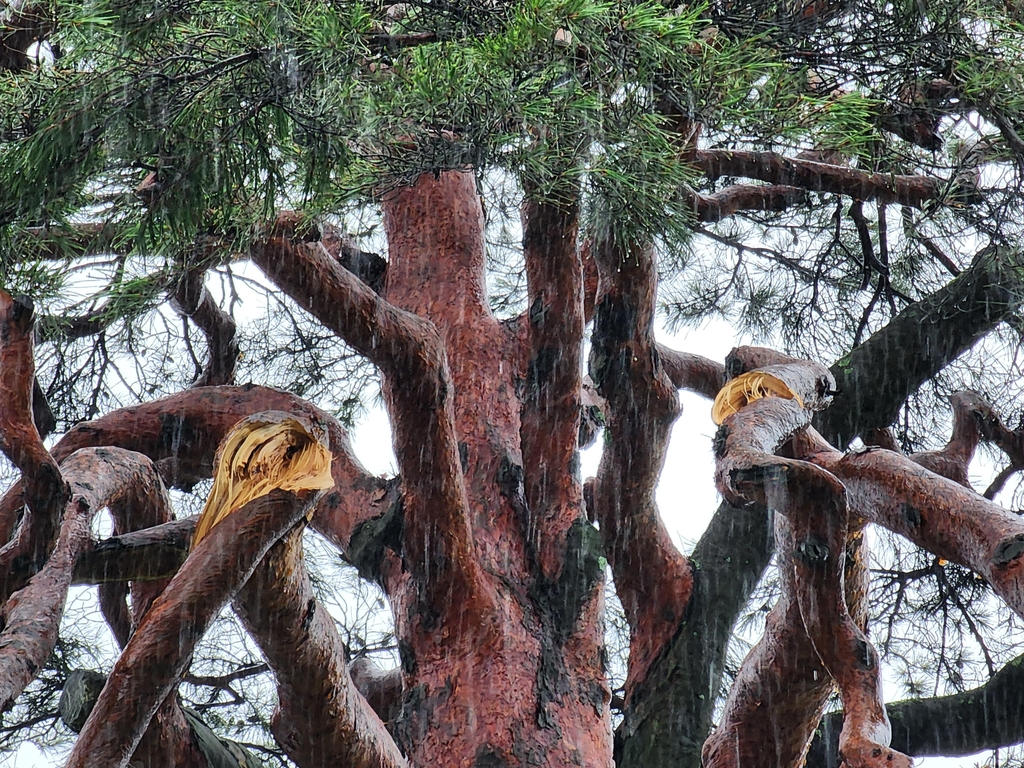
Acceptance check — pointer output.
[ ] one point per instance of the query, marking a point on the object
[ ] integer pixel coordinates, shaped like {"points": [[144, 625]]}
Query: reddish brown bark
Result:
{"points": [[321, 719], [935, 513], [98, 477], [692, 372], [157, 655], [553, 388], [181, 433], [813, 544], [820, 177], [953, 460], [653, 579], [471, 616], [409, 349], [44, 491]]}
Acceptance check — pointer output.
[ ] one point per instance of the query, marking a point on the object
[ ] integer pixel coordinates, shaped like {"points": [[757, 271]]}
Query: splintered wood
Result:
{"points": [[744, 389], [266, 451]]}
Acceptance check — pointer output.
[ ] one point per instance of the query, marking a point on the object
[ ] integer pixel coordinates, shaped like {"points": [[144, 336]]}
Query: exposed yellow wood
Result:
{"points": [[747, 388], [266, 451]]}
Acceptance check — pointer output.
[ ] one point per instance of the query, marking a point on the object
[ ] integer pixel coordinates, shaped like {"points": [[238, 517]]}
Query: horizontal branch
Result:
{"points": [[746, 197], [692, 372], [819, 177], [149, 554], [987, 717]]}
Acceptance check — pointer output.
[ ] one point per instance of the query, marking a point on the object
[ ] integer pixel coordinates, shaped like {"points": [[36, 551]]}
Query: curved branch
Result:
{"points": [[158, 654], [99, 477], [43, 489], [409, 351], [820, 177], [877, 376], [937, 514], [653, 579], [552, 398], [195, 302], [692, 372], [321, 718], [149, 554]]}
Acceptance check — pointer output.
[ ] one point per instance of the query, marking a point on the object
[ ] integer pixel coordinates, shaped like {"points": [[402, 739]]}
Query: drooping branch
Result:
{"points": [[551, 400], [411, 355], [195, 302], [876, 377], [99, 477], [321, 719], [157, 655], [819, 177], [43, 489], [987, 717], [653, 580]]}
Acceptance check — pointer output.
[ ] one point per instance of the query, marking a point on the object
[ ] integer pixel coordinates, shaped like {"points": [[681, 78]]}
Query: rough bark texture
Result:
{"points": [[158, 654], [98, 477], [653, 580], [321, 718], [43, 491]]}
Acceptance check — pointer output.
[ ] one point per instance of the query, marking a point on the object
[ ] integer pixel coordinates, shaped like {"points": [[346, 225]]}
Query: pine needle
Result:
{"points": [[264, 452], [747, 388]]}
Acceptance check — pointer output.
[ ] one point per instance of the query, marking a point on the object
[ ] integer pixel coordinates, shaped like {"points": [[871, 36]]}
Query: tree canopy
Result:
{"points": [[254, 216]]}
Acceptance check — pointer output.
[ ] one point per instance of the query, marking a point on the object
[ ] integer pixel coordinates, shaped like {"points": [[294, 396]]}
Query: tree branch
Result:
{"points": [[411, 355], [193, 301], [692, 372], [156, 657], [551, 401], [987, 717], [149, 554], [99, 477], [819, 177], [43, 489], [321, 719], [877, 376], [653, 580], [746, 197]]}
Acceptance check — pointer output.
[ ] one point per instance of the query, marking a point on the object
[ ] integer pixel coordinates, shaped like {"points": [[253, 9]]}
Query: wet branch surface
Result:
{"points": [[158, 654], [321, 718], [552, 398], [819, 177], [407, 349], [653, 579], [98, 477], [43, 490], [874, 381]]}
